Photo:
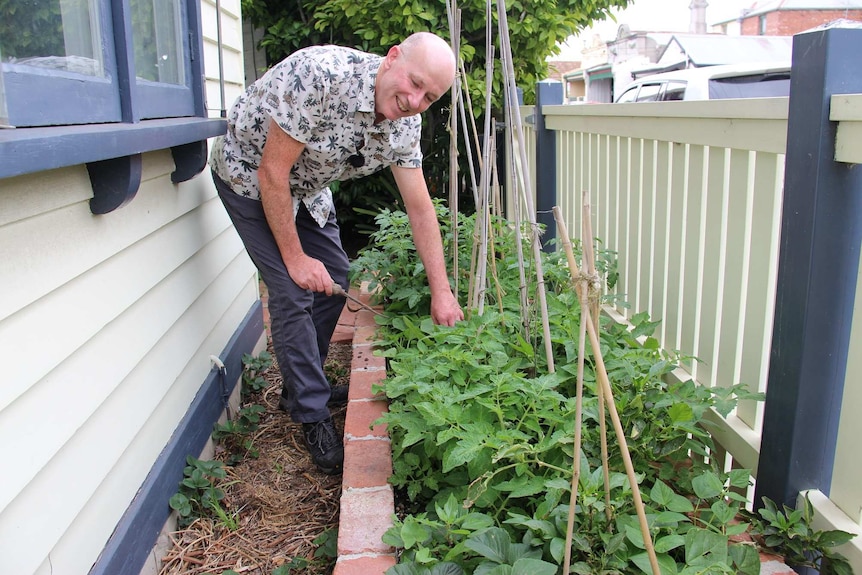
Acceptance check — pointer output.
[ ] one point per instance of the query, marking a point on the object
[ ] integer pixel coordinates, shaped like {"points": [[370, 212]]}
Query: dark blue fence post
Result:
{"points": [[548, 93], [821, 234]]}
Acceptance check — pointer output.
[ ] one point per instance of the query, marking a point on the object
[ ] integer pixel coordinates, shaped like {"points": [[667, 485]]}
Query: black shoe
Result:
{"points": [[337, 396], [325, 445]]}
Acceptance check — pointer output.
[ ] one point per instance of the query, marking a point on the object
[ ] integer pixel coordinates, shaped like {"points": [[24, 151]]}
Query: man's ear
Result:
{"points": [[393, 54]]}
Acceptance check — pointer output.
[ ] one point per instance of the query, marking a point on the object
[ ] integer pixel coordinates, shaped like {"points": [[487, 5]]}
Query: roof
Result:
{"points": [[713, 49], [765, 6]]}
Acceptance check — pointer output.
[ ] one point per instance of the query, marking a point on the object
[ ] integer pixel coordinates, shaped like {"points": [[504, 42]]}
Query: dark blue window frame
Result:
{"points": [[151, 116]]}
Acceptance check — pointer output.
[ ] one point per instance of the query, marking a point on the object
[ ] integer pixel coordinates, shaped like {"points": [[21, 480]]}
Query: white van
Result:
{"points": [[755, 80]]}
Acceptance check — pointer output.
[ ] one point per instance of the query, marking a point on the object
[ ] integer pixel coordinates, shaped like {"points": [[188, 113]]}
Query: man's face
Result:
{"points": [[410, 81]]}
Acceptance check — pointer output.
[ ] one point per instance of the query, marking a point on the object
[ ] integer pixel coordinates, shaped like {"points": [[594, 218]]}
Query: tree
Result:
{"points": [[535, 29]]}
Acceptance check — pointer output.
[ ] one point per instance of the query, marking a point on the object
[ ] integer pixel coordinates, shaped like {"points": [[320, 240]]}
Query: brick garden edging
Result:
{"points": [[367, 499]]}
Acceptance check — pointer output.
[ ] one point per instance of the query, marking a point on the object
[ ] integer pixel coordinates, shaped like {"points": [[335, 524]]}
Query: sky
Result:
{"points": [[660, 16]]}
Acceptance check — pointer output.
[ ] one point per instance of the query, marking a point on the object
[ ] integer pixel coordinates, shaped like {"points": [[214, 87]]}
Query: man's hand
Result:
{"points": [[309, 273], [445, 310]]}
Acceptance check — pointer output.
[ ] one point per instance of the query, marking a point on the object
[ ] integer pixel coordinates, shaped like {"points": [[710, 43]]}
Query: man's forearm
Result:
{"points": [[429, 245], [278, 207]]}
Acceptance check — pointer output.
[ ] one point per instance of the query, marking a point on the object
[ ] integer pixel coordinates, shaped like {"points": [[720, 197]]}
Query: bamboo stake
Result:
{"points": [[465, 93], [579, 389], [517, 206], [604, 382], [495, 186], [624, 448], [454, 35], [590, 259], [509, 75], [482, 222]]}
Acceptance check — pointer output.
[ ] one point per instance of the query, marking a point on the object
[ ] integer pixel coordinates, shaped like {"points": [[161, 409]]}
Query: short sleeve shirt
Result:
{"points": [[322, 96]]}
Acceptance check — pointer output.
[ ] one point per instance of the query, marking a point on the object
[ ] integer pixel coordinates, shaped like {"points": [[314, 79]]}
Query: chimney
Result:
{"points": [[697, 24]]}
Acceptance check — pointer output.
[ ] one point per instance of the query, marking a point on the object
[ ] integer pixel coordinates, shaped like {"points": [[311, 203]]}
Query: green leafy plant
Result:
{"points": [[476, 418], [199, 496], [788, 532], [235, 434], [253, 380]]}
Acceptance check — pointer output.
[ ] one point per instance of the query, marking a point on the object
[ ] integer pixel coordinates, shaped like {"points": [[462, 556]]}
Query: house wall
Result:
{"points": [[107, 326], [790, 22]]}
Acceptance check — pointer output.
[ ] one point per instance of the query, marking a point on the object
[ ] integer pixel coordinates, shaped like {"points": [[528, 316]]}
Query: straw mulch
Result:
{"points": [[282, 501]]}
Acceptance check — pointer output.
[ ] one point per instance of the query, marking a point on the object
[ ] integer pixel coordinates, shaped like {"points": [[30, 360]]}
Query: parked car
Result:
{"points": [[756, 80]]}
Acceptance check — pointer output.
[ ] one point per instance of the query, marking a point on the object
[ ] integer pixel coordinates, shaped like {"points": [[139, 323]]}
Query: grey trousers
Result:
{"points": [[302, 321]]}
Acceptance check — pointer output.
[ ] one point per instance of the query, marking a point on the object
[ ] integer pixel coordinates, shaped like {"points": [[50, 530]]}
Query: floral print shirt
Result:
{"points": [[322, 96]]}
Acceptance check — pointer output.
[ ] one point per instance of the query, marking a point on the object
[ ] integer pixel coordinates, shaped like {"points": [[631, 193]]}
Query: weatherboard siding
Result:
{"points": [[107, 327]]}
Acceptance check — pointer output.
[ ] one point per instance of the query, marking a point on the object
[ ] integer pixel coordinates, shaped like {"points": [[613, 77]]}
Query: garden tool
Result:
{"points": [[338, 290]]}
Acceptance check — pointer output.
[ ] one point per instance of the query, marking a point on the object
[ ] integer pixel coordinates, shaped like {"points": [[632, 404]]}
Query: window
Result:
{"points": [[648, 93], [763, 85], [100, 82], [673, 91], [628, 96], [65, 63]]}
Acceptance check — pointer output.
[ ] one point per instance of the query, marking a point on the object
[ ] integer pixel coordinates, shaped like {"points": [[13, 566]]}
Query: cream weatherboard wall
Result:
{"points": [[107, 327], [231, 53]]}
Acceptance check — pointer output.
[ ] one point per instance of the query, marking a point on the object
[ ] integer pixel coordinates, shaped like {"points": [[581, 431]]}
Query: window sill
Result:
{"points": [[112, 152], [28, 150]]}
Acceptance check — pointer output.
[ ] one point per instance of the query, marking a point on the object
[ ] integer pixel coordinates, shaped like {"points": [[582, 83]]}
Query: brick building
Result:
{"points": [[789, 17]]}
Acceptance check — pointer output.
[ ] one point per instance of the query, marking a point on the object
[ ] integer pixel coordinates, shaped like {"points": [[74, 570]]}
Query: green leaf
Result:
{"points": [[492, 544], [834, 538], [533, 567], [668, 542], [450, 510], [707, 485], [723, 512], [413, 533], [181, 504], [558, 549], [523, 486], [661, 493], [740, 478], [680, 412], [405, 569], [745, 558], [446, 568], [488, 568], [701, 545], [665, 563], [464, 451]]}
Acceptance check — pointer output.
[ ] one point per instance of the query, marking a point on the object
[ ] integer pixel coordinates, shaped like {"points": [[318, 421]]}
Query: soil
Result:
{"points": [[282, 502]]}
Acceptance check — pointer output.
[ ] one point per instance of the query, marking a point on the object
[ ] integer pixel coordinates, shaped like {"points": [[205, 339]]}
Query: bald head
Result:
{"points": [[413, 75], [431, 50]]}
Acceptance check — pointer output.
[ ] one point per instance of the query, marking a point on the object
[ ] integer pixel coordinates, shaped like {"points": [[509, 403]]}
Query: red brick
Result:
{"points": [[364, 334], [365, 516], [348, 316], [376, 565], [362, 381], [364, 358], [367, 463], [365, 317], [360, 417], [342, 334]]}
